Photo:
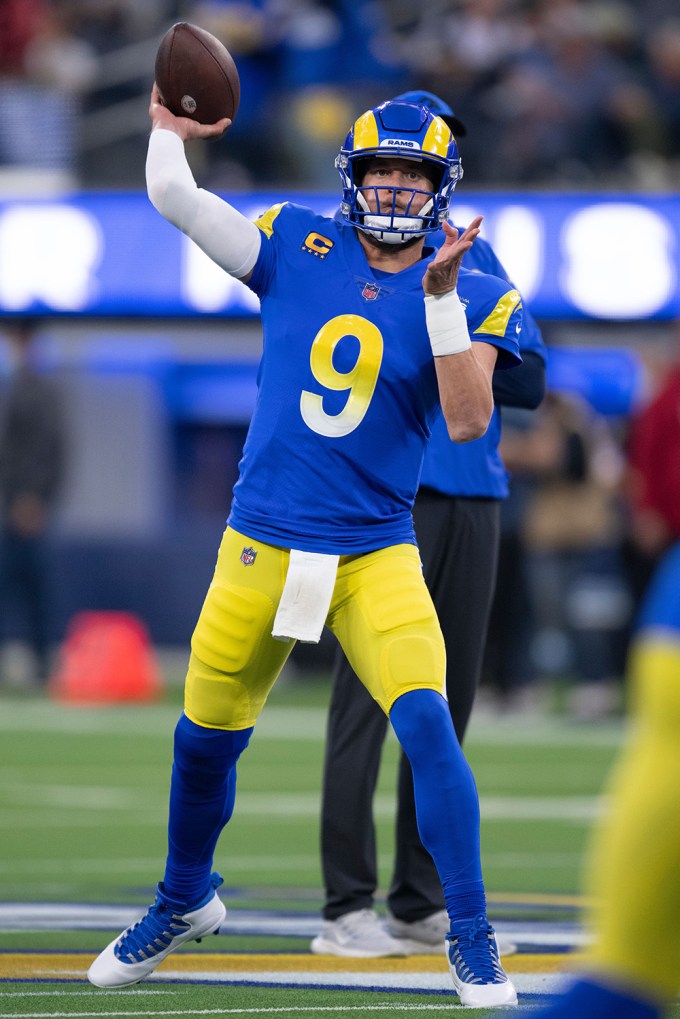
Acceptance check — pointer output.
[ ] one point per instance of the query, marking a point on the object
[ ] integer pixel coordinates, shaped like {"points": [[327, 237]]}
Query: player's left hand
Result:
{"points": [[186, 128], [442, 272]]}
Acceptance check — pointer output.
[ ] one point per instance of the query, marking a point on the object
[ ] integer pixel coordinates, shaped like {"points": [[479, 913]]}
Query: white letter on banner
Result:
{"points": [[518, 242], [206, 287], [618, 260], [48, 253]]}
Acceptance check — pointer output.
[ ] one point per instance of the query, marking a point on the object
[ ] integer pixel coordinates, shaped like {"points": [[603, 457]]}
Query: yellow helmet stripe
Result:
{"points": [[497, 322], [366, 132], [266, 220], [437, 138]]}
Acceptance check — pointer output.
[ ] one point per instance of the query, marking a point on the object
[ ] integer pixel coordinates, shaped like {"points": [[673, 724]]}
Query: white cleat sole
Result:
{"points": [[107, 970], [483, 995], [487, 995]]}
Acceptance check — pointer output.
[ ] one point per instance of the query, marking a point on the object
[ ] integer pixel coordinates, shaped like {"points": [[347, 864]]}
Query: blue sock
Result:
{"points": [[447, 806], [202, 793], [588, 999]]}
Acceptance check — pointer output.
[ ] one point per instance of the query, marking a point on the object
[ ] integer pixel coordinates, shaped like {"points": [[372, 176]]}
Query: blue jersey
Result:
{"points": [[660, 609], [347, 389], [475, 469]]}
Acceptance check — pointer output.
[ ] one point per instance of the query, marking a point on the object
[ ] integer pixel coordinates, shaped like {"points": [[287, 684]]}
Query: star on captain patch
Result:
{"points": [[370, 291], [247, 556]]}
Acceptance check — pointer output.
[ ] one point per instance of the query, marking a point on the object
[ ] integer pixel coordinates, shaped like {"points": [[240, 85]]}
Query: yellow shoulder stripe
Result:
{"points": [[497, 322], [266, 220]]}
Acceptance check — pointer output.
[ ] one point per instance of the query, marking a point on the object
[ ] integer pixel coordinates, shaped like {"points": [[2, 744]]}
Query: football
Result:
{"points": [[196, 75]]}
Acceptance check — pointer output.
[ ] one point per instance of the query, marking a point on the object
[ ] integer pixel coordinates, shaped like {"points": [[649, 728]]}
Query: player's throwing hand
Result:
{"points": [[187, 129], [442, 272]]}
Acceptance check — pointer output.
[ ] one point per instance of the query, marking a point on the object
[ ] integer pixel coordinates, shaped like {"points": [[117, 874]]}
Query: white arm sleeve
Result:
{"points": [[231, 240]]}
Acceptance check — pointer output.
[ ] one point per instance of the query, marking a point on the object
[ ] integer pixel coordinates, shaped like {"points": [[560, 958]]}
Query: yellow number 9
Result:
{"points": [[360, 381]]}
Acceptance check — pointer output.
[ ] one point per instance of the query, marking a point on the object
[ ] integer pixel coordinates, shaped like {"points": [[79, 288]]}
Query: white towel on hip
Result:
{"points": [[306, 596]]}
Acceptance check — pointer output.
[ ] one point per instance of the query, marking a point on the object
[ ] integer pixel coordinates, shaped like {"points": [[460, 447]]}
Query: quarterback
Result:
{"points": [[368, 331]]}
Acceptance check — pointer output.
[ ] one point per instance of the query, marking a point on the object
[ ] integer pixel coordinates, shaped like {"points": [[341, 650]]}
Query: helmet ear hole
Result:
{"points": [[359, 169]]}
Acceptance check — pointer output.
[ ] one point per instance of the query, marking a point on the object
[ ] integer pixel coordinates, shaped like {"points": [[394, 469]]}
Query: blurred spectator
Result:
{"points": [[663, 55], [571, 533], [560, 91], [307, 69], [44, 70], [653, 475], [32, 452], [558, 98], [508, 671], [336, 61], [251, 30], [108, 25]]}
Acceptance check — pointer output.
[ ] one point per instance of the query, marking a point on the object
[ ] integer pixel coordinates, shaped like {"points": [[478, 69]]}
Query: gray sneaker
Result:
{"points": [[426, 937], [422, 937], [357, 935]]}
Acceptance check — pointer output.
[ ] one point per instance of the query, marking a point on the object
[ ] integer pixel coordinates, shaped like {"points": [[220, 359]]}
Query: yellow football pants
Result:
{"points": [[635, 871], [381, 612]]}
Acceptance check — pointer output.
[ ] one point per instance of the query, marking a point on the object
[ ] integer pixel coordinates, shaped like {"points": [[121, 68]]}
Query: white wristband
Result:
{"points": [[446, 324]]}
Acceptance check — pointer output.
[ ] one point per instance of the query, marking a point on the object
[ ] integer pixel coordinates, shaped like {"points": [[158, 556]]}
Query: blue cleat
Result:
{"points": [[163, 928], [476, 970]]}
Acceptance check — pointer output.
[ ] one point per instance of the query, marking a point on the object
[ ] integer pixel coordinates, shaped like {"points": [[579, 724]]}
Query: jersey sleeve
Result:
{"points": [[483, 258], [494, 314], [272, 229]]}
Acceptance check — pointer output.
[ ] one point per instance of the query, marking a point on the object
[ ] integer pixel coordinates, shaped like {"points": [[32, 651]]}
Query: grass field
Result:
{"points": [[82, 812]]}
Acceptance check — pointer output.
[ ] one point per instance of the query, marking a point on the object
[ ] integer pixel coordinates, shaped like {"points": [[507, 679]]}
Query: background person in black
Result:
{"points": [[32, 454], [458, 538]]}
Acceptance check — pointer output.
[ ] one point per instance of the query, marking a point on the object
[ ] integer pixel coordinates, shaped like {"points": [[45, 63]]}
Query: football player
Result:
{"points": [[457, 524], [633, 966], [368, 331]]}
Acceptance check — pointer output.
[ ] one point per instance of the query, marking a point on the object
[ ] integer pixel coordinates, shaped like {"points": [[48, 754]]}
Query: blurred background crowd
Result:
{"points": [[559, 92], [559, 95]]}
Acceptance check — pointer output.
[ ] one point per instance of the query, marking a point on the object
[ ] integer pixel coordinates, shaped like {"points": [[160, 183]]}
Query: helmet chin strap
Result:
{"points": [[388, 229]]}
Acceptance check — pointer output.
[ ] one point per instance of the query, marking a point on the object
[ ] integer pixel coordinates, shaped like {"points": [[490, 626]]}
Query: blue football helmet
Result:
{"points": [[412, 132]]}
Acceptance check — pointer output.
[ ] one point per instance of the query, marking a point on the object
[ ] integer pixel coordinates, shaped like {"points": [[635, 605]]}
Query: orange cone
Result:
{"points": [[106, 658]]}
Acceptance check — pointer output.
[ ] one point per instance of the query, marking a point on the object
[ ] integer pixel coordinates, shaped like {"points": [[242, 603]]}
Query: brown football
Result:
{"points": [[196, 75]]}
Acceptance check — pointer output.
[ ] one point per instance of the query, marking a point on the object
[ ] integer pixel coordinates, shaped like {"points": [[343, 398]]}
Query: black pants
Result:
{"points": [[23, 591], [458, 541]]}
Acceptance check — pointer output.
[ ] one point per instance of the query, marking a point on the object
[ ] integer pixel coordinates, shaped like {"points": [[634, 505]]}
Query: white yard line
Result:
{"points": [[86, 801], [295, 1009], [291, 724], [69, 994]]}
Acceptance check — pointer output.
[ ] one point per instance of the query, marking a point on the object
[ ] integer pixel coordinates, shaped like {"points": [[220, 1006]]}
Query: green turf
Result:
{"points": [[196, 1000], [83, 797], [46, 1000], [84, 793]]}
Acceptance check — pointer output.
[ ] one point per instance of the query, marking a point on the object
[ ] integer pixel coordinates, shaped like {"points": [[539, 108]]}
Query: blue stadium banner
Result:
{"points": [[576, 256]]}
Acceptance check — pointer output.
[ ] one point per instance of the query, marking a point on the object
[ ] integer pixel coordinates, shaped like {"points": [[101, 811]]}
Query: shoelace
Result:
{"points": [[150, 935], [474, 955]]}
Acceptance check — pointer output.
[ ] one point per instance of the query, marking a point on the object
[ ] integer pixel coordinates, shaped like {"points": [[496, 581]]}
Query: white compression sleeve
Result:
{"points": [[227, 237]]}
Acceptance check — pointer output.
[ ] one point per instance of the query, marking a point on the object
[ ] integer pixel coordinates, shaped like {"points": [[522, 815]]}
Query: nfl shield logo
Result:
{"points": [[248, 556], [370, 291]]}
